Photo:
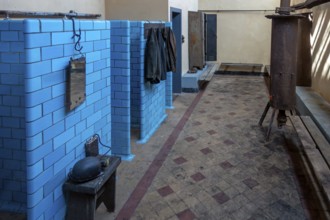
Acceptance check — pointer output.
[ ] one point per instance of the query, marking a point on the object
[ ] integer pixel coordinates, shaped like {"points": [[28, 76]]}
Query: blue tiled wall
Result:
{"points": [[120, 89], [148, 100], [42, 131], [12, 117]]}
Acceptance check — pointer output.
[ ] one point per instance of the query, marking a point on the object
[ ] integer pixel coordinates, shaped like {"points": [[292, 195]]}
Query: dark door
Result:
{"points": [[211, 37], [176, 18]]}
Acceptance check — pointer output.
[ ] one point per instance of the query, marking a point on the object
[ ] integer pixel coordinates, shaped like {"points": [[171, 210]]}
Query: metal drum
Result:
{"points": [[283, 61]]}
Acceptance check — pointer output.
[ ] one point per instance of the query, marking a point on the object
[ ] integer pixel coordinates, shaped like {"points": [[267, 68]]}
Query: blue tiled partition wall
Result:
{"points": [[149, 101], [39, 139], [121, 88]]}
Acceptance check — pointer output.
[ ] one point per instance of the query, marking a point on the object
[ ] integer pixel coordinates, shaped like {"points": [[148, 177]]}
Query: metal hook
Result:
{"points": [[77, 45]]}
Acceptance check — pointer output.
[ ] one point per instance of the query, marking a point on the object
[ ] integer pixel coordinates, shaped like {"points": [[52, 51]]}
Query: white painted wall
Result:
{"points": [[243, 37], [80, 6], [320, 50], [136, 10]]}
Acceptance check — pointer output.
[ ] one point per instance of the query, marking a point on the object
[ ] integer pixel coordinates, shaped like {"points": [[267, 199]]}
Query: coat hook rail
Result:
{"points": [[29, 14]]}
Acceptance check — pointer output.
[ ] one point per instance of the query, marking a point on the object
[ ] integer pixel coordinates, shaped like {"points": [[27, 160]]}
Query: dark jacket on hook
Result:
{"points": [[152, 72], [171, 49], [163, 56]]}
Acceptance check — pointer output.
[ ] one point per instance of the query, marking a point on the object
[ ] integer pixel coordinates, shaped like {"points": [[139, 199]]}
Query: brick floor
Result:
{"points": [[218, 164]]}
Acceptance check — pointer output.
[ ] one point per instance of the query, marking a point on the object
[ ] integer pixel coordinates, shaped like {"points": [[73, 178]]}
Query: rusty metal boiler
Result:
{"points": [[283, 65]]}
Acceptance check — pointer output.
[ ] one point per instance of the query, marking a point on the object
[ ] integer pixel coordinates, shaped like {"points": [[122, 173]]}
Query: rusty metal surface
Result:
{"points": [[283, 61], [196, 40]]}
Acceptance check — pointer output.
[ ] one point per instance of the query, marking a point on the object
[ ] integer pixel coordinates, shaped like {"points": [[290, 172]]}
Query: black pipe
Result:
{"points": [[25, 14]]}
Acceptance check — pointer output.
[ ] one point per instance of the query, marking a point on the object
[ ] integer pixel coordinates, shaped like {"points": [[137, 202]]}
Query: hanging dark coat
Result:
{"points": [[163, 56], [170, 49], [152, 72]]}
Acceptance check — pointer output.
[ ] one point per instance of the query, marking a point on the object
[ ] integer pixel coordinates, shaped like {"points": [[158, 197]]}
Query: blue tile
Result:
{"points": [[33, 142], [72, 120], [38, 97], [37, 211], [115, 24], [58, 90], [99, 25], [60, 63], [53, 131], [4, 25], [105, 34], [100, 45], [9, 57], [86, 112], [93, 77], [50, 25], [18, 69], [32, 157], [93, 118], [4, 68], [105, 54], [120, 32], [108, 25], [11, 79], [52, 52], [37, 40], [17, 47], [94, 98], [54, 156], [6, 154], [33, 55], [11, 122], [33, 84], [73, 144], [4, 47], [35, 198], [68, 49], [56, 181], [62, 38], [87, 47], [93, 35], [58, 115], [38, 69], [12, 185], [53, 78], [17, 25], [80, 127], [86, 25], [9, 36], [37, 126], [35, 170], [99, 65], [18, 112], [93, 56], [5, 132], [11, 100], [31, 26], [64, 137], [33, 113], [68, 26], [64, 162]]}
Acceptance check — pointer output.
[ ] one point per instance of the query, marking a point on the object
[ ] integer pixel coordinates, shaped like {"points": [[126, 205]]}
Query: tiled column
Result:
{"points": [[12, 117], [120, 89]]}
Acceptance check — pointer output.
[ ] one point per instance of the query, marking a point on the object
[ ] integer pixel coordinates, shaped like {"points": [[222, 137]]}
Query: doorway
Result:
{"points": [[210, 37], [176, 19]]}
